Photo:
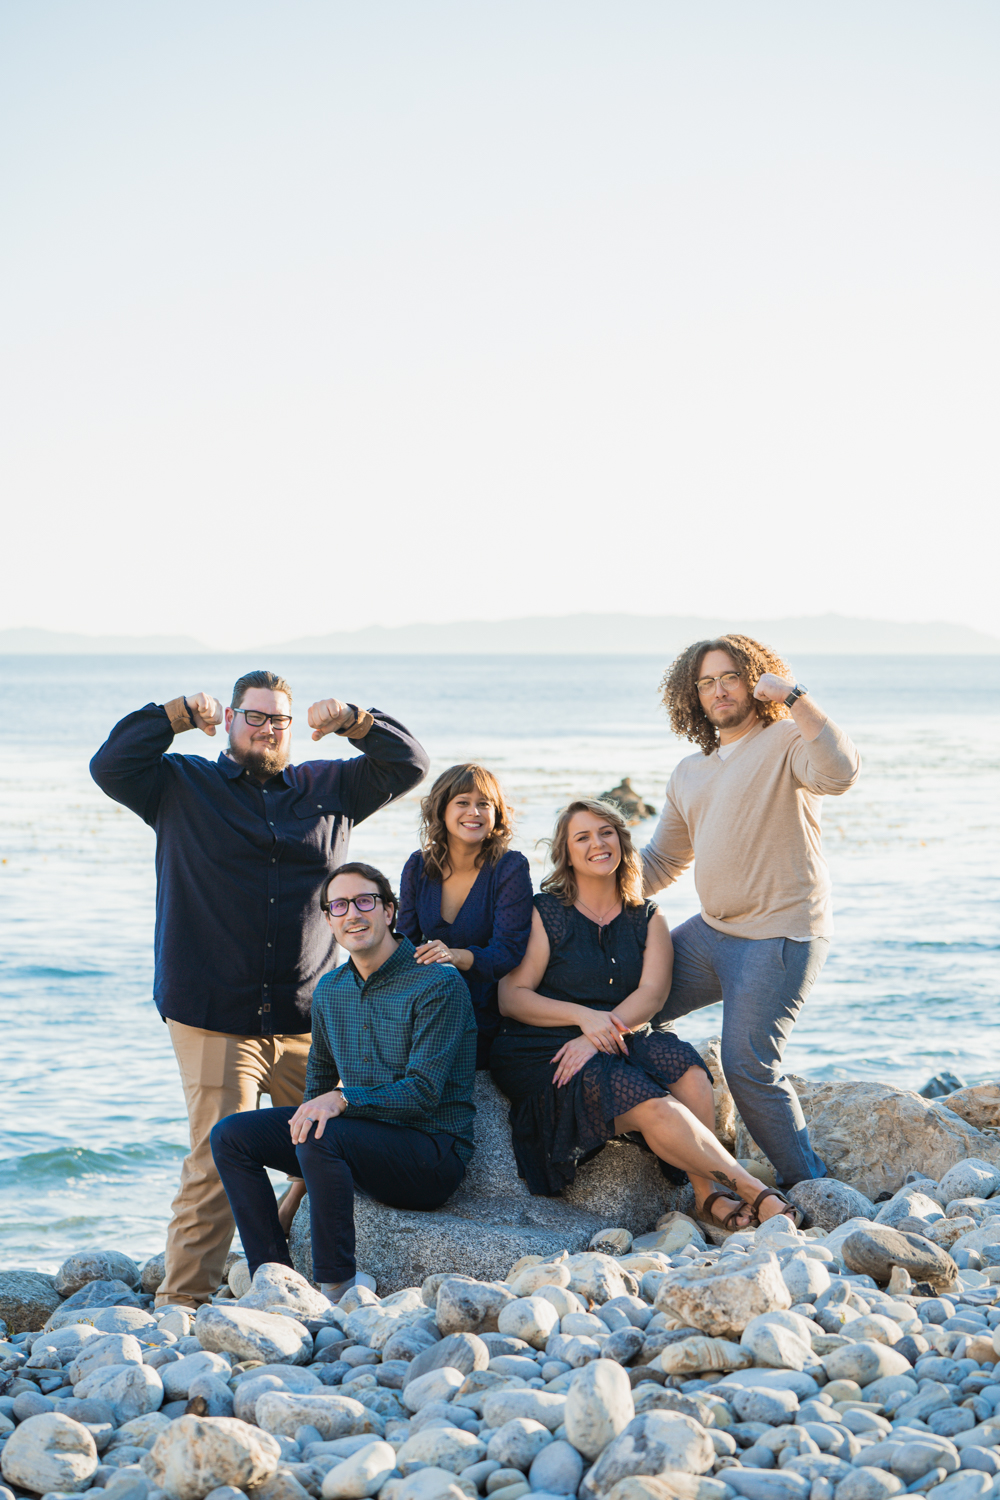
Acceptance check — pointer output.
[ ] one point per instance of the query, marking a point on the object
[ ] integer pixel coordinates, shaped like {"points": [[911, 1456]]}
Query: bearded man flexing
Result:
{"points": [[746, 810], [242, 846]]}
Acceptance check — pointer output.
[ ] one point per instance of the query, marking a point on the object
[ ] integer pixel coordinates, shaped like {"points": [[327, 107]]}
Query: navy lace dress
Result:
{"points": [[553, 1130]]}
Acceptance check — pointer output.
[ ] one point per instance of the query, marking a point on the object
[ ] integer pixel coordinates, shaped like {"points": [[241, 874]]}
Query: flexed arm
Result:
{"points": [[128, 766]]}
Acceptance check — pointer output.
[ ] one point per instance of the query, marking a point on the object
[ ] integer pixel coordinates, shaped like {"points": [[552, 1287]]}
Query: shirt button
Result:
{"points": [[269, 945], [272, 861], [272, 900]]}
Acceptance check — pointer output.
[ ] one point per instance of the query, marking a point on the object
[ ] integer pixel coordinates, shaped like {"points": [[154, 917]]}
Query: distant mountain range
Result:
{"points": [[564, 635]]}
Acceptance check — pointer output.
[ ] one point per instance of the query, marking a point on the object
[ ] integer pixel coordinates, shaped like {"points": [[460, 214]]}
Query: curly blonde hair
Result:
{"points": [[682, 700], [562, 881], [468, 777]]}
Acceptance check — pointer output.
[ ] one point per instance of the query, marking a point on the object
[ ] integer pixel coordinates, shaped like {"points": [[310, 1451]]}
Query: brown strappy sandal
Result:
{"points": [[796, 1215], [728, 1225]]}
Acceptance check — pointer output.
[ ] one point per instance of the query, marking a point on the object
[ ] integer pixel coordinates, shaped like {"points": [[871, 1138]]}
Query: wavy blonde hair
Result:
{"points": [[682, 700], [562, 881], [468, 777]]}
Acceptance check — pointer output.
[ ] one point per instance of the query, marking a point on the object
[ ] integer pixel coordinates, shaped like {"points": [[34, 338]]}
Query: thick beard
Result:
{"points": [[261, 763], [734, 723]]}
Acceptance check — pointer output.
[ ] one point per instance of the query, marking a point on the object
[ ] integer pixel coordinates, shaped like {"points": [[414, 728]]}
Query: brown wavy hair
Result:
{"points": [[562, 881], [682, 700], [468, 777]]}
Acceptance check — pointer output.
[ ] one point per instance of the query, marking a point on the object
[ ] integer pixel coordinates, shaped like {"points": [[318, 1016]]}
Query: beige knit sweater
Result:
{"points": [[751, 823]]}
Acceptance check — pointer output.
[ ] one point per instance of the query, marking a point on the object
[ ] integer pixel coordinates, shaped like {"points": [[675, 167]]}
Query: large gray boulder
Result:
{"points": [[95, 1265], [492, 1219], [871, 1135], [27, 1299]]}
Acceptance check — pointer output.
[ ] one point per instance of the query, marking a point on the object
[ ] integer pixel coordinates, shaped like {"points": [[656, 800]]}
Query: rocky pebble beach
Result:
{"points": [[851, 1360]]}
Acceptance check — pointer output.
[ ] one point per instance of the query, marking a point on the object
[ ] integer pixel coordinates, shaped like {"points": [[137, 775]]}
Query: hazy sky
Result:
{"points": [[317, 314]]}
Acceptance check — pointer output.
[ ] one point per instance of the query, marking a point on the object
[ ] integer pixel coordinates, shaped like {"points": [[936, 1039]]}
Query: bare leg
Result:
{"points": [[673, 1132], [694, 1091], [289, 1202]]}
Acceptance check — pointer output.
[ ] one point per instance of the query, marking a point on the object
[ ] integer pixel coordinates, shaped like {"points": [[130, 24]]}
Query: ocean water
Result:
{"points": [[92, 1124]]}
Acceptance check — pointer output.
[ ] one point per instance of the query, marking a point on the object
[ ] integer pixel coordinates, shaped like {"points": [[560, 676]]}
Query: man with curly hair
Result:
{"points": [[746, 811]]}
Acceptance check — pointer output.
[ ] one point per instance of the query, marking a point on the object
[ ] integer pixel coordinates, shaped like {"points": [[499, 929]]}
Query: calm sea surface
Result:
{"points": [[92, 1126]]}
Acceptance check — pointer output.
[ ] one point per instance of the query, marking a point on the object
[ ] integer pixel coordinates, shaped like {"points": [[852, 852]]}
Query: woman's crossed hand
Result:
{"points": [[602, 1032]]}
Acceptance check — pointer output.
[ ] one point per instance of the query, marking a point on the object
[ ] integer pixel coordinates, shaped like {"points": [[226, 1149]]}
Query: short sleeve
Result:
{"points": [[553, 915]]}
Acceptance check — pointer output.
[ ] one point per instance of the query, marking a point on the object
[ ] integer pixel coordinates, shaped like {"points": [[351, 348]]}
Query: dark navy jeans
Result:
{"points": [[763, 984], [400, 1166]]}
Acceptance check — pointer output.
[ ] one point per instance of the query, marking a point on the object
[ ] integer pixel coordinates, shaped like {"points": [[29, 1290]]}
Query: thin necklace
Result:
{"points": [[601, 921]]}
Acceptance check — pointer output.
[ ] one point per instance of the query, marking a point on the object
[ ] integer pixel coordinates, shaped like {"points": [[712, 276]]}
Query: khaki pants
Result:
{"points": [[221, 1075]]}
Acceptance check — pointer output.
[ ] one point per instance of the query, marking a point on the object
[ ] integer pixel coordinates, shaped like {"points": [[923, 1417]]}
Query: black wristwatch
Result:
{"points": [[798, 691]]}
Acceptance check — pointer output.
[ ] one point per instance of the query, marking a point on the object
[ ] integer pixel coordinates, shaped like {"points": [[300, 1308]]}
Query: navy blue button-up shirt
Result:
{"points": [[240, 939]]}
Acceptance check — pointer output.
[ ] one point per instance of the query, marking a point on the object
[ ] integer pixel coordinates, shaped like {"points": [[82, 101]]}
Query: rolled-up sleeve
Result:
{"points": [[392, 763]]}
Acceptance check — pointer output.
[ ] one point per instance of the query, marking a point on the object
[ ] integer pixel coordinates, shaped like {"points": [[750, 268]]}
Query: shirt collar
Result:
{"points": [[402, 958], [233, 770]]}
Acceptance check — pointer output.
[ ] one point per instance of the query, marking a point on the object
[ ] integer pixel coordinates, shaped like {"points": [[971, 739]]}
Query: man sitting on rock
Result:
{"points": [[388, 1087]]}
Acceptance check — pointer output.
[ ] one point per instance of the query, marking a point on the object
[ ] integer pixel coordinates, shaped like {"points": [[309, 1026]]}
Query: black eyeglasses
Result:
{"points": [[339, 906], [256, 718]]}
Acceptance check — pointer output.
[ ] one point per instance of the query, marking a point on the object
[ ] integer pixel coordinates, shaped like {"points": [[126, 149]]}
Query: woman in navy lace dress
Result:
{"points": [[576, 1055], [465, 896]]}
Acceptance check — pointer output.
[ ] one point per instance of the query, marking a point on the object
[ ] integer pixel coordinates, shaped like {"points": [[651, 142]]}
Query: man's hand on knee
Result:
{"points": [[316, 1112]]}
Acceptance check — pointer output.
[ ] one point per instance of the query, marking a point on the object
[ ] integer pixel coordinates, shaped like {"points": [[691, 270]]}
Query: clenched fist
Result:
{"points": [[206, 712], [772, 689], [327, 716]]}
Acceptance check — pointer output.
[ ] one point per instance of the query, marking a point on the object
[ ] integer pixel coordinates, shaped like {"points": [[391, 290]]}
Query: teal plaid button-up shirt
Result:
{"points": [[402, 1044]]}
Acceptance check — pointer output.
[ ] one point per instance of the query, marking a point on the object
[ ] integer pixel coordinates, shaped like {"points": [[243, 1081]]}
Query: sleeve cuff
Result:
{"points": [[176, 711], [359, 725]]}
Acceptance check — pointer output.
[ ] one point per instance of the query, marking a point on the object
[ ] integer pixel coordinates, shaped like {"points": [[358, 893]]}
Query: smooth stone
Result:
{"points": [[97, 1353], [874, 1251], [671, 1486], [109, 1293], [111, 1320], [142, 1431], [598, 1407], [623, 1345], [758, 1484], [868, 1484], [177, 1377], [533, 1319], [95, 1265], [334, 1416], [459, 1351], [864, 1362], [49, 1452], [972, 1178], [701, 1354], [31, 1404], [465, 1306], [915, 1458], [908, 1203], [969, 1484], [547, 1407], [130, 1390], [361, 1474], [440, 1448], [599, 1278], [437, 1385], [275, 1285], [651, 1443], [557, 1469], [781, 1340], [27, 1300], [248, 1391], [210, 1396], [251, 1334], [805, 1277], [986, 1459], [802, 1384], [198, 1454], [754, 1404], [720, 1301]]}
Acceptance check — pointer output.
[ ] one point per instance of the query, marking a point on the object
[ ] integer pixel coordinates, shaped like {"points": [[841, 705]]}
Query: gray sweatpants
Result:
{"points": [[763, 984]]}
